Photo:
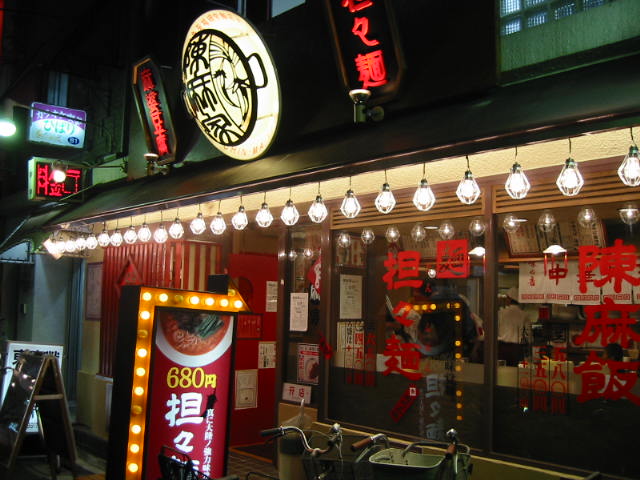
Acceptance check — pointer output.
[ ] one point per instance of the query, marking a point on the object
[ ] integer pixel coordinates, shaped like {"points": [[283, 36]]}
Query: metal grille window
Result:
{"points": [[516, 15]]}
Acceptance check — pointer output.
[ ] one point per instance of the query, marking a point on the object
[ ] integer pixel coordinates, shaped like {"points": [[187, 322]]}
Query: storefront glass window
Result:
{"points": [[568, 335], [407, 329]]}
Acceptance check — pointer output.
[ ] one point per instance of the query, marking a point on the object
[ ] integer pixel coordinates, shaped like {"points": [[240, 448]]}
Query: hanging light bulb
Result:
{"points": [[587, 217], [104, 240], [318, 210], [418, 233], [198, 225], [385, 201], [629, 214], [289, 215], [160, 234], [60, 246], [570, 180], [423, 198], [367, 236], [264, 217], [511, 223], [240, 220], [546, 221], [292, 255], [70, 246], [517, 184], [350, 206], [144, 232], [130, 235], [392, 234], [446, 230], [477, 227], [176, 230], [81, 243], [218, 225], [468, 189], [629, 170], [92, 241], [116, 237], [344, 240], [307, 252]]}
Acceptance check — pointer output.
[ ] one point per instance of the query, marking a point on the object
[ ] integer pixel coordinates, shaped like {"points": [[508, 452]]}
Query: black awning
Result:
{"points": [[596, 97]]}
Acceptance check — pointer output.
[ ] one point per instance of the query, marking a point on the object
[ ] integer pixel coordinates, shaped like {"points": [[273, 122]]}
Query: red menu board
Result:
{"points": [[189, 388]]}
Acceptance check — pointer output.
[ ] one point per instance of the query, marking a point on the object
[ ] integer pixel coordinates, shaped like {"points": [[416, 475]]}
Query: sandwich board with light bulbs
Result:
{"points": [[36, 379], [172, 380]]}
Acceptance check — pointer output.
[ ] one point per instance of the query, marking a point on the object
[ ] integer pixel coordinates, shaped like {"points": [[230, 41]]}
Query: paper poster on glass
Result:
{"points": [[308, 363]]}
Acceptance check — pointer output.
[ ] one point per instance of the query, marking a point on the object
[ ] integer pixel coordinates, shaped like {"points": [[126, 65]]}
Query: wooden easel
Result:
{"points": [[37, 379]]}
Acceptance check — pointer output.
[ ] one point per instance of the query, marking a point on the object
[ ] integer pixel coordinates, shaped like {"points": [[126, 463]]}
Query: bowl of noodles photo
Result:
{"points": [[193, 338]]}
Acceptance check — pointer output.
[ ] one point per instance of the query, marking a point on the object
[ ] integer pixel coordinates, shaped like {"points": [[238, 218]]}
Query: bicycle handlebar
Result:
{"points": [[334, 439], [365, 442]]}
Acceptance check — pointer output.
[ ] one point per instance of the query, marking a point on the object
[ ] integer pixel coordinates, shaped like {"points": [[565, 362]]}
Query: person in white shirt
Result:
{"points": [[512, 324]]}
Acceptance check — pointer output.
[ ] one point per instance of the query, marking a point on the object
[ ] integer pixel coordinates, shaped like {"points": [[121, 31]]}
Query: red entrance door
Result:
{"points": [[254, 274]]}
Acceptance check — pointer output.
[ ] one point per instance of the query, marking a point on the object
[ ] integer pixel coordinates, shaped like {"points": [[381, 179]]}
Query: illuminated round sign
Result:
{"points": [[230, 84]]}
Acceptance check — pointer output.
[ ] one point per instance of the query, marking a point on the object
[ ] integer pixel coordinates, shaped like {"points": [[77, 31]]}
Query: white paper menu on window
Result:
{"points": [[350, 297], [299, 314]]}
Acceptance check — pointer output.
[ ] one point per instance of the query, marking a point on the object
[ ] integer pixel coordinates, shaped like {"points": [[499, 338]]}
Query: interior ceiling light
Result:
{"points": [[104, 240], [130, 235], [292, 255], [289, 215], [546, 221], [350, 206], [477, 251], [517, 184], [198, 225], [629, 214], [468, 189], [554, 249], [570, 180], [629, 170], [307, 252], [176, 230], [477, 227], [70, 245], [446, 230], [240, 220], [144, 232], [587, 217], [392, 234], [423, 198], [367, 236], [264, 217], [218, 225], [318, 210], [385, 201], [160, 234], [418, 233], [511, 223], [344, 240]]}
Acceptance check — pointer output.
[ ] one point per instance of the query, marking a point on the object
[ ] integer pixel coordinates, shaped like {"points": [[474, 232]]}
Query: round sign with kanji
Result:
{"points": [[230, 84]]}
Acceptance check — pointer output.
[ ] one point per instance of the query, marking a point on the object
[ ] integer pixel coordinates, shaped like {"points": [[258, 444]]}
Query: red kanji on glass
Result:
{"points": [[597, 384], [452, 260], [617, 263], [361, 30], [405, 267], [616, 329], [357, 5], [148, 83], [371, 68], [409, 358]]}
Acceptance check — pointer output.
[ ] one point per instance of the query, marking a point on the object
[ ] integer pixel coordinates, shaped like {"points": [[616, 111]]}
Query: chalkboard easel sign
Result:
{"points": [[36, 378]]}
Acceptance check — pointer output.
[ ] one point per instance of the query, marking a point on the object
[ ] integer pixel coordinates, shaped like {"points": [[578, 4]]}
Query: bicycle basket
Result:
{"points": [[390, 464], [175, 465]]}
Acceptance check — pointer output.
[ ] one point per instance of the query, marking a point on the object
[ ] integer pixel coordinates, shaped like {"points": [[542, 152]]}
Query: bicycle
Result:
{"points": [[175, 465]]}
